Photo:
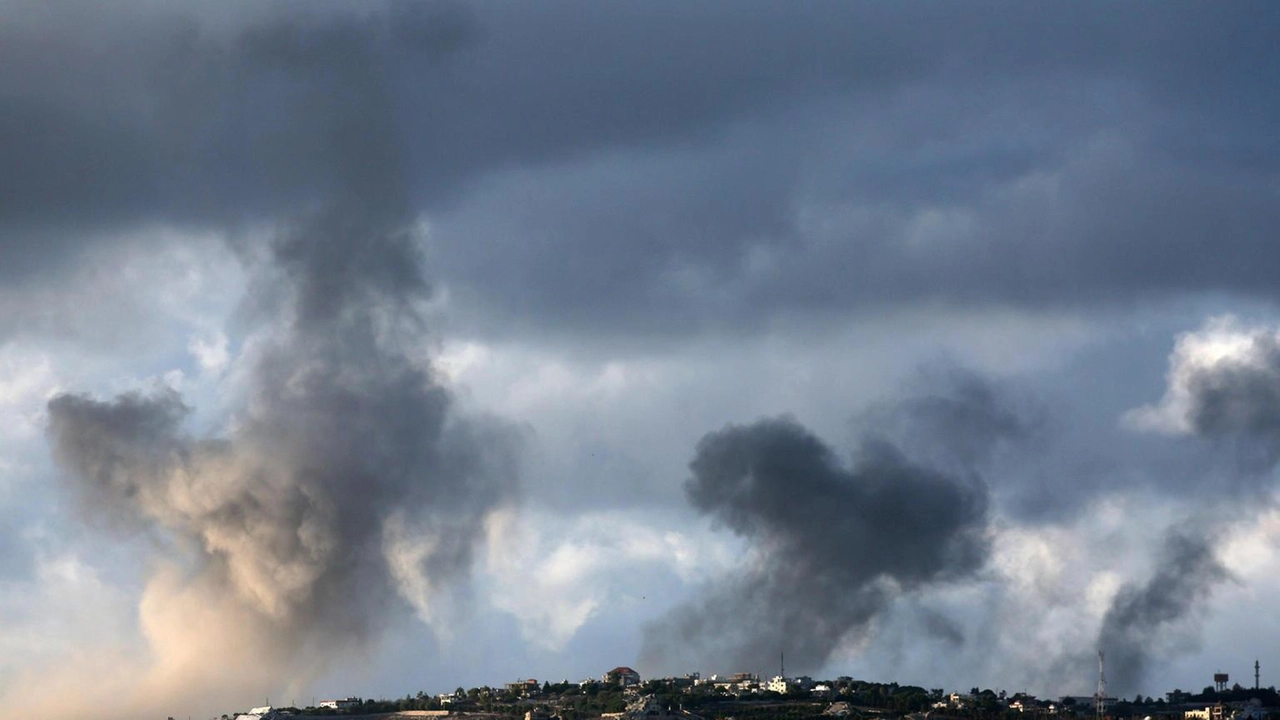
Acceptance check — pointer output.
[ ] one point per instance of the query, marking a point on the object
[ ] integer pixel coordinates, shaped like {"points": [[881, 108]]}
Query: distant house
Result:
{"points": [[524, 687], [1212, 712], [624, 676], [784, 685], [339, 704], [259, 713]]}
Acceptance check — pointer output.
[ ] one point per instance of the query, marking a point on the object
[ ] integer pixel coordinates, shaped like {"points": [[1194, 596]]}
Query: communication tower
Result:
{"points": [[1101, 712]]}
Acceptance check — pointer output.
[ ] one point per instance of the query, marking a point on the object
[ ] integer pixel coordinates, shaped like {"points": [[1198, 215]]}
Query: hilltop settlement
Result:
{"points": [[621, 694]]}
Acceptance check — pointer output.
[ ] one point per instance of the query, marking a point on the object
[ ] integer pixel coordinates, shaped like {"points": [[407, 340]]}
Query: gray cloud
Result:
{"points": [[1149, 619], [954, 418], [832, 545], [847, 156]]}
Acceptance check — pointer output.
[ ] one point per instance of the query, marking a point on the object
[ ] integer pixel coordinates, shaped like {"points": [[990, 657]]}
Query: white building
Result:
{"points": [[784, 685]]}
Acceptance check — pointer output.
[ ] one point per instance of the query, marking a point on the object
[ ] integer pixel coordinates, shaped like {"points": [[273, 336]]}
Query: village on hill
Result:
{"points": [[621, 694]]}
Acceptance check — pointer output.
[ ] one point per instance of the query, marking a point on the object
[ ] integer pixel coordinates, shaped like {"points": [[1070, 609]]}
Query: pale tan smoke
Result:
{"points": [[342, 489], [204, 650]]}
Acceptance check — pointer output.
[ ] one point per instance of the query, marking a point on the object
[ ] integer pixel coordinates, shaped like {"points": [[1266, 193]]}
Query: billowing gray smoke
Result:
{"points": [[954, 419], [831, 545], [1236, 402], [344, 477], [344, 445], [1148, 619]]}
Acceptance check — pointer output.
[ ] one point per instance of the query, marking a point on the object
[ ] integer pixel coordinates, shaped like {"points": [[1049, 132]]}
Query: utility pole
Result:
{"points": [[1256, 673]]}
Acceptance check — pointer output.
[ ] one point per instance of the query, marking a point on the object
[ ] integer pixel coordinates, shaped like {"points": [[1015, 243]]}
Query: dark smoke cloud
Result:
{"points": [[1236, 402], [341, 435], [1150, 619], [832, 546], [344, 478]]}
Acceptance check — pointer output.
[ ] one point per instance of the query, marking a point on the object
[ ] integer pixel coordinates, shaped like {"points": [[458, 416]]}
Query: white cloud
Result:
{"points": [[210, 351], [553, 576], [1222, 341]]}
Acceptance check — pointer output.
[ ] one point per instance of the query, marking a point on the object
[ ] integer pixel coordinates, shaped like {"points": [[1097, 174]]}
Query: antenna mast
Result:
{"points": [[1102, 689]]}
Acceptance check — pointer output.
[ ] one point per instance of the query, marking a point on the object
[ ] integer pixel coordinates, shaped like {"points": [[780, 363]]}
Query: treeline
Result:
{"points": [[571, 701]]}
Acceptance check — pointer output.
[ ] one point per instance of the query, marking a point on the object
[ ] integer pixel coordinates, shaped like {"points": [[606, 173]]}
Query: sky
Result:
{"points": [[384, 347]]}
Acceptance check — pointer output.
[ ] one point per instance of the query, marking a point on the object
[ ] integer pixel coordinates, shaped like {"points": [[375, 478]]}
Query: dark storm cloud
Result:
{"points": [[929, 167], [1147, 620], [833, 545], [1064, 160]]}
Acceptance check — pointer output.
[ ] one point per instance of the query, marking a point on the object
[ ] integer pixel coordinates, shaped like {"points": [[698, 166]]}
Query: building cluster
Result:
{"points": [[620, 694]]}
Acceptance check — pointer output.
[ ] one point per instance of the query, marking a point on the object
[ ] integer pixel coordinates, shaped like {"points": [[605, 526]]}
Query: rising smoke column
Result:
{"points": [[1152, 617], [344, 444], [344, 479], [831, 545], [1223, 388]]}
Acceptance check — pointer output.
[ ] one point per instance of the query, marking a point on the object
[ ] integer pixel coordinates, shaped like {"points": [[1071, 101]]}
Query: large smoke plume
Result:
{"points": [[1151, 618], [831, 545], [344, 478]]}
